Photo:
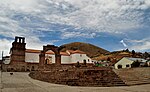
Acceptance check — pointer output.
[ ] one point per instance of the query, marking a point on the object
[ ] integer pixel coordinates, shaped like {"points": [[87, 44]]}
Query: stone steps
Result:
{"points": [[82, 77], [136, 82], [134, 76]]}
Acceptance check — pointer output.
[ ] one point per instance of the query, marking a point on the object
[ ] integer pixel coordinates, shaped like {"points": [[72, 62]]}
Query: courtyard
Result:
{"points": [[21, 82]]}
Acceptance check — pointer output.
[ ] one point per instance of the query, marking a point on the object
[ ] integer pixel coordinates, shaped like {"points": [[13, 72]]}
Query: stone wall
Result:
{"points": [[20, 67], [86, 76], [18, 51]]}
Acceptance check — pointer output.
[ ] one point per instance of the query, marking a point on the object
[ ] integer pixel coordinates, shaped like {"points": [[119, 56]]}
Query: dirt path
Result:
{"points": [[21, 82]]}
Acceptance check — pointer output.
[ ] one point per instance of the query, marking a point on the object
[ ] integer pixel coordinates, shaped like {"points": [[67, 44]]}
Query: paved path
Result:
{"points": [[21, 82]]}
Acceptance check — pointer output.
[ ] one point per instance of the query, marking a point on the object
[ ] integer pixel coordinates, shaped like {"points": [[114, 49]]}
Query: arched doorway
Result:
{"points": [[84, 62], [55, 49], [49, 57]]}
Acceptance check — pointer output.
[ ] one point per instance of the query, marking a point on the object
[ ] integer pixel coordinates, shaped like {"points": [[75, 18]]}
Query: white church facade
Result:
{"points": [[22, 59], [68, 57]]}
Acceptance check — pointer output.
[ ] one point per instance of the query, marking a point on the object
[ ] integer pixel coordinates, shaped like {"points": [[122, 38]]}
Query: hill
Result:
{"points": [[91, 50], [117, 55]]}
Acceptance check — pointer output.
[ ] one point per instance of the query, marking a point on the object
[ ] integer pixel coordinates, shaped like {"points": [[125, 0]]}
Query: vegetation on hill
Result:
{"points": [[117, 55], [91, 50]]}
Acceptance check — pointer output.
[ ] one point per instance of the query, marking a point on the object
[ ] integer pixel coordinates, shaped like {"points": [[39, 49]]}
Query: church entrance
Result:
{"points": [[46, 59]]}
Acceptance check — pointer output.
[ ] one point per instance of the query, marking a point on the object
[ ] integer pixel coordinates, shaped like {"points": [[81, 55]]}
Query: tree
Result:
{"points": [[146, 55], [133, 52], [127, 50], [135, 64]]}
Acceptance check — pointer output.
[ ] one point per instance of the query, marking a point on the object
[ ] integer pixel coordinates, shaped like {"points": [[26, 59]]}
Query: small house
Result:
{"points": [[127, 62]]}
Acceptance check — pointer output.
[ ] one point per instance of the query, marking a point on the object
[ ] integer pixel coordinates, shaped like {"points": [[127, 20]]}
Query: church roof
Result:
{"points": [[48, 52], [32, 51], [64, 53], [76, 52]]}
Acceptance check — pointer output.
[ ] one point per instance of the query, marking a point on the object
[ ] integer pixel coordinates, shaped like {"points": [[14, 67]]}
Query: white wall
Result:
{"points": [[6, 61], [73, 58], [65, 59], [80, 57], [124, 62], [32, 57]]}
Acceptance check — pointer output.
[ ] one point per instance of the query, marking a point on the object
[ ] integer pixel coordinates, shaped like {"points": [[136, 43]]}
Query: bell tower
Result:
{"points": [[18, 51]]}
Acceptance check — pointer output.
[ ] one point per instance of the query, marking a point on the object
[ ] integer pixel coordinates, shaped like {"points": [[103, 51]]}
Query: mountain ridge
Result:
{"points": [[90, 49]]}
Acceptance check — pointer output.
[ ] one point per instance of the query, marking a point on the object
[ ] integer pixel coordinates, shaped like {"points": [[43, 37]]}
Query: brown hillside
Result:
{"points": [[117, 55], [91, 50]]}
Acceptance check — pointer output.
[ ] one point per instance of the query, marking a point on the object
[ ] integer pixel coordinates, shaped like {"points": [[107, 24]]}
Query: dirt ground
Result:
{"points": [[21, 82]]}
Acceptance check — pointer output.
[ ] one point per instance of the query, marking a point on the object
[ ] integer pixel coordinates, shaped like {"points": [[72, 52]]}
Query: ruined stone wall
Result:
{"points": [[98, 76], [20, 67]]}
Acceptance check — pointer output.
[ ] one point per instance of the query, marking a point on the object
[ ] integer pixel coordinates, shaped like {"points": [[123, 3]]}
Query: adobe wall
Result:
{"points": [[20, 67], [18, 51], [17, 58]]}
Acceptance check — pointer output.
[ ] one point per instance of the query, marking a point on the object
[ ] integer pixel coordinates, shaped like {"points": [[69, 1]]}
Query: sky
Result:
{"points": [[109, 24]]}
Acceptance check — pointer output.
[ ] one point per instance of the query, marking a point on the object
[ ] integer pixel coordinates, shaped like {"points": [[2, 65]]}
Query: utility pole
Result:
{"points": [[2, 70], [2, 61], [2, 64]]}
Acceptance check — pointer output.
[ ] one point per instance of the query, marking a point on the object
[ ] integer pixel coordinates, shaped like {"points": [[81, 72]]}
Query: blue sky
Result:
{"points": [[110, 24]]}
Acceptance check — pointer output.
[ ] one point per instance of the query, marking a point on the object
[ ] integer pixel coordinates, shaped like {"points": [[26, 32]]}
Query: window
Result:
{"points": [[119, 66], [127, 65]]}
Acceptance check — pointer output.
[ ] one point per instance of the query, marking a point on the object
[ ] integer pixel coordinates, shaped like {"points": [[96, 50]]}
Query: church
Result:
{"points": [[67, 57], [22, 58]]}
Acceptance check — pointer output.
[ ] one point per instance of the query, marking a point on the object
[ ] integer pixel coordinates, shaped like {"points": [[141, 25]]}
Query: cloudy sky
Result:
{"points": [[110, 24]]}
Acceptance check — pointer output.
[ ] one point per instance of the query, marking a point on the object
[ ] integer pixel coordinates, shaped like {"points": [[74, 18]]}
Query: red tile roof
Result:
{"points": [[48, 52], [32, 51], [51, 52], [64, 53], [76, 52]]}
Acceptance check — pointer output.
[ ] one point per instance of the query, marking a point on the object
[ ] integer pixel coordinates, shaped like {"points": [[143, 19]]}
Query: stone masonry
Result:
{"points": [[17, 57]]}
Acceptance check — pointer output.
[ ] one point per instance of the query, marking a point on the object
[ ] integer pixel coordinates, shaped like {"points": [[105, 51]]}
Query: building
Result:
{"points": [[6, 60], [127, 62], [148, 62], [68, 57], [22, 59]]}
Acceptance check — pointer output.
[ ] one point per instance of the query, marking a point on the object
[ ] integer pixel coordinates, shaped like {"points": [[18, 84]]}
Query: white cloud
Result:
{"points": [[145, 46], [28, 6], [67, 35], [113, 16], [140, 45], [108, 16], [5, 46], [32, 43]]}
